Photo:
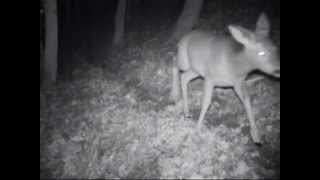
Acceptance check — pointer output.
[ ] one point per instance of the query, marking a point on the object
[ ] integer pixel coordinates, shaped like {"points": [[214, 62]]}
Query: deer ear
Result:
{"points": [[241, 34], [262, 26]]}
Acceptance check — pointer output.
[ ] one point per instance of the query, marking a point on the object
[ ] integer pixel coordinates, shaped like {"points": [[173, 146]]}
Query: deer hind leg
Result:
{"points": [[186, 77], [244, 97], [206, 101]]}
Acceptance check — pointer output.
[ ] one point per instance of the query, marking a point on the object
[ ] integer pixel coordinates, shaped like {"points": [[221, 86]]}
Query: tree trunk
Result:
{"points": [[188, 18], [119, 23], [51, 42]]}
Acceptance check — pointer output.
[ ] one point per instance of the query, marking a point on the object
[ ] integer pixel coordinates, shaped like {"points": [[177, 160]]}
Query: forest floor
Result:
{"points": [[116, 121]]}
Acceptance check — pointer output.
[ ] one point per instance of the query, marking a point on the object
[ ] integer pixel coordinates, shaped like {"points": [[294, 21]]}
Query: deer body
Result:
{"points": [[224, 65], [224, 62]]}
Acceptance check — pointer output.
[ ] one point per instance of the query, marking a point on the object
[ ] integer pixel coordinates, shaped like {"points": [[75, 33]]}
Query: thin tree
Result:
{"points": [[51, 42], [118, 37], [188, 18]]}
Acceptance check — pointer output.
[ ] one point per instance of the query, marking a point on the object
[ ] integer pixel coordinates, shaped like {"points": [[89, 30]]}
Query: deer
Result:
{"points": [[224, 61]]}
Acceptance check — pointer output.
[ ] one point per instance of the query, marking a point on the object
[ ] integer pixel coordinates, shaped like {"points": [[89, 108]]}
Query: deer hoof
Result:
{"points": [[255, 136]]}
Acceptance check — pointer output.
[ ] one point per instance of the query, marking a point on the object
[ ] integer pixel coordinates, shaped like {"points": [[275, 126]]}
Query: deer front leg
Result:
{"points": [[244, 97], [206, 101]]}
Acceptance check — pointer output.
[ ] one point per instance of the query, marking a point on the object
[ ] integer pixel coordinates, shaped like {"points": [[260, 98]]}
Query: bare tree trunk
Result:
{"points": [[118, 37], [188, 18], [51, 42]]}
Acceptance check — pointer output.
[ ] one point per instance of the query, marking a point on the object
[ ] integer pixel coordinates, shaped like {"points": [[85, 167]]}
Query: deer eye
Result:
{"points": [[261, 53]]}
